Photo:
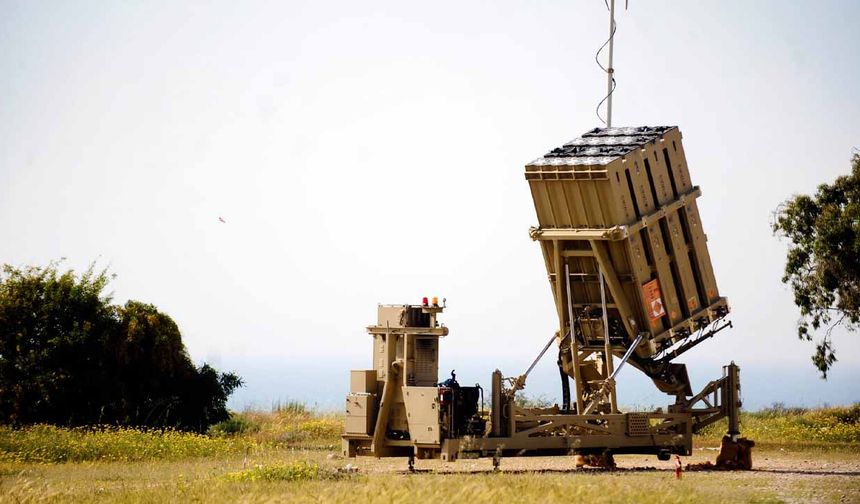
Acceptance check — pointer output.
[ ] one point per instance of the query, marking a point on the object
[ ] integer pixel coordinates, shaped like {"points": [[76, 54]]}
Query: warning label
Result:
{"points": [[653, 301]]}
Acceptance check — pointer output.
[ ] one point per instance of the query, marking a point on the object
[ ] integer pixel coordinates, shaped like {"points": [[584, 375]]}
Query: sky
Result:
{"points": [[373, 152]]}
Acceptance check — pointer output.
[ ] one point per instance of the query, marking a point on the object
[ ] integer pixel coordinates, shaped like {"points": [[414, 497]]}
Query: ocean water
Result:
{"points": [[323, 383]]}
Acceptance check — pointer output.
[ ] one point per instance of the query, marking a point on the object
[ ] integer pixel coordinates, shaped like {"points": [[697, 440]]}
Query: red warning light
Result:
{"points": [[424, 301]]}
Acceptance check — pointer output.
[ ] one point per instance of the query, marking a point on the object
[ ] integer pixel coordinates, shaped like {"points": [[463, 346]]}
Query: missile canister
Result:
{"points": [[620, 201]]}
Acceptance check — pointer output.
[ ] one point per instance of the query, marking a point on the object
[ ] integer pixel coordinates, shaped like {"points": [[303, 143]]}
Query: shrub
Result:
{"points": [[70, 357], [526, 401], [236, 424], [294, 471]]}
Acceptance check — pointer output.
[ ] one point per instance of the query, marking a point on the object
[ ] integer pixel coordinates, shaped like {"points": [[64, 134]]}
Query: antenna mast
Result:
{"points": [[610, 71]]}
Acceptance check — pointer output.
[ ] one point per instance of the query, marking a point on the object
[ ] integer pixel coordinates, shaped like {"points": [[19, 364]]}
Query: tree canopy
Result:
{"points": [[70, 357], [823, 263]]}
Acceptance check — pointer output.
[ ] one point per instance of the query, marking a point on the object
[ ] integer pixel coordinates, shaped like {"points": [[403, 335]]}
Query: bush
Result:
{"points": [[525, 401], [236, 424]]}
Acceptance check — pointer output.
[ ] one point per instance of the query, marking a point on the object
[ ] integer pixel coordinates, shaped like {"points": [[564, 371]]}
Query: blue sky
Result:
{"points": [[366, 152]]}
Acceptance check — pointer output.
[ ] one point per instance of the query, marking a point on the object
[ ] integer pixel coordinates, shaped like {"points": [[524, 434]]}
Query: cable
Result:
{"points": [[597, 55], [597, 110], [605, 70]]}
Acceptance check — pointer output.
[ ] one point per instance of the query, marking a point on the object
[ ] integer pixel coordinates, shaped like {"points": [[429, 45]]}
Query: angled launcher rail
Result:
{"points": [[629, 268]]}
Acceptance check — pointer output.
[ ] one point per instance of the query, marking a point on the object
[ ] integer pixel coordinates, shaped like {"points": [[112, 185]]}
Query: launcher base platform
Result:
{"points": [[392, 410]]}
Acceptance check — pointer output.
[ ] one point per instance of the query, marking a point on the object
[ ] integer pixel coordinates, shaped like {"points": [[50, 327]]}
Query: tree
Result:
{"points": [[69, 357], [51, 332], [823, 262]]}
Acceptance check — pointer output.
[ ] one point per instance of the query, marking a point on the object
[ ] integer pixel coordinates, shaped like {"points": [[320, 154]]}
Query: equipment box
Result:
{"points": [[390, 315], [360, 413], [362, 381]]}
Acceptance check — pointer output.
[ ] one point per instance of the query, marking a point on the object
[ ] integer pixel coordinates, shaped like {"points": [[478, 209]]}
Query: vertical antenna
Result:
{"points": [[610, 72]]}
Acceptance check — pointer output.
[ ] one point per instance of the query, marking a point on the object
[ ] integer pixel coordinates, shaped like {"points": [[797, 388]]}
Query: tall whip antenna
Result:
{"points": [[610, 70]]}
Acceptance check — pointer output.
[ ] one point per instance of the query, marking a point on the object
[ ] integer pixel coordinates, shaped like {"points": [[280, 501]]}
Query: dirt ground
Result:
{"points": [[770, 461], [791, 475]]}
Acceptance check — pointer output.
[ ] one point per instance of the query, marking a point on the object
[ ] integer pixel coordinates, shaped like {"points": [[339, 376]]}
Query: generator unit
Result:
{"points": [[630, 272]]}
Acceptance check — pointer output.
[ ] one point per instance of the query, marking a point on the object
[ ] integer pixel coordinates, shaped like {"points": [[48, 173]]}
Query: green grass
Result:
{"points": [[291, 427], [296, 427], [46, 443], [298, 470], [223, 480], [778, 425], [291, 454]]}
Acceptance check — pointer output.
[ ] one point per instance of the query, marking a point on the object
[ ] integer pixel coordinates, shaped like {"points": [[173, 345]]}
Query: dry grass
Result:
{"points": [[291, 426]]}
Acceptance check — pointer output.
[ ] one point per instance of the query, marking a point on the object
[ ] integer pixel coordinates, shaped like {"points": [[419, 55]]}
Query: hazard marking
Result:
{"points": [[692, 303], [653, 301]]}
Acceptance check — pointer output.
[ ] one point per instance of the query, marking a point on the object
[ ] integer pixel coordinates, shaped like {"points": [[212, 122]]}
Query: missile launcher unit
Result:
{"points": [[628, 264]]}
